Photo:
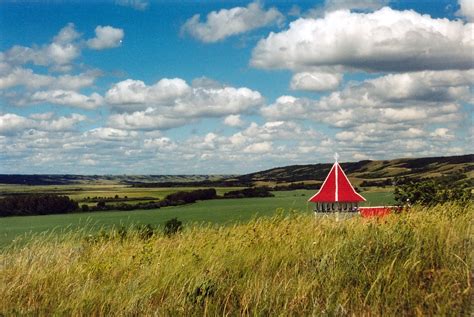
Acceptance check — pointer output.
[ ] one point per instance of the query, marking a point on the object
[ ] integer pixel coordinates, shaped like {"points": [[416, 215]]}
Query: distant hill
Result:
{"points": [[362, 173], [371, 172], [58, 179]]}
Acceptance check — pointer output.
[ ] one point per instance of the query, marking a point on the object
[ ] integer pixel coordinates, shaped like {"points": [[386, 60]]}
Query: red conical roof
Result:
{"points": [[336, 188]]}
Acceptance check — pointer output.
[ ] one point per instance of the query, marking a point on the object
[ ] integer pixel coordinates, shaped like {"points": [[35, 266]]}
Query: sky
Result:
{"points": [[231, 87]]}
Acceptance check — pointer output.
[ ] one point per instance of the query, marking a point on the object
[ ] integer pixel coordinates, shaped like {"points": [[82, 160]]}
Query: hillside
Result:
{"points": [[69, 179], [368, 173], [372, 172]]}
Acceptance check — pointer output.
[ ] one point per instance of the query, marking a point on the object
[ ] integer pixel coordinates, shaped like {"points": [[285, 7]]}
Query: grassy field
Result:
{"points": [[79, 192], [411, 264], [214, 211]]}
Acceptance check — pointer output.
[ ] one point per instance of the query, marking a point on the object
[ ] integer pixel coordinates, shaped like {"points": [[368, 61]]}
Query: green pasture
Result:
{"points": [[221, 211]]}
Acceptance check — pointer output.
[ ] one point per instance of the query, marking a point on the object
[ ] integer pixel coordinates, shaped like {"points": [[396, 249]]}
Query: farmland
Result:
{"points": [[213, 211], [289, 264]]}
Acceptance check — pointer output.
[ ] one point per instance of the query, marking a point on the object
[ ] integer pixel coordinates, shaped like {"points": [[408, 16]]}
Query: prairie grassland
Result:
{"points": [[416, 263], [219, 211]]}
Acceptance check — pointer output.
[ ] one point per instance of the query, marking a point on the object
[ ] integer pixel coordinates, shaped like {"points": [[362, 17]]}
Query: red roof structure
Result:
{"points": [[336, 188]]}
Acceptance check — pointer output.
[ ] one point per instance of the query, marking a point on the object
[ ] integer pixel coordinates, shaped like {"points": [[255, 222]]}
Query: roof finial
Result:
{"points": [[336, 156]]}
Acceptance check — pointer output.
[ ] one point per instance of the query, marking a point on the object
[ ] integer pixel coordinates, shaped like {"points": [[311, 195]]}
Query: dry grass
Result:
{"points": [[288, 265]]}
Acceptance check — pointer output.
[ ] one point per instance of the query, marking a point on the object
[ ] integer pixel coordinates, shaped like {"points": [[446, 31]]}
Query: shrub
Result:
{"points": [[145, 232], [172, 226]]}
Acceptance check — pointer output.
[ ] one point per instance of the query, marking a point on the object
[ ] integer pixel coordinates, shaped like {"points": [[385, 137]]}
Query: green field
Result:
{"points": [[79, 192], [222, 211]]}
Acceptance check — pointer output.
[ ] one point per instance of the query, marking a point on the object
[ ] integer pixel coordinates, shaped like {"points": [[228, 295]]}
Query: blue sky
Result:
{"points": [[184, 87]]}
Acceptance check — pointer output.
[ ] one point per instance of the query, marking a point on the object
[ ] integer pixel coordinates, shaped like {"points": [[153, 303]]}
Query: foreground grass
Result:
{"points": [[416, 263]]}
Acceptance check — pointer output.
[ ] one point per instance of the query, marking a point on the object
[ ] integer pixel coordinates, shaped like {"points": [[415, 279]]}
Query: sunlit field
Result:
{"points": [[226, 211], [291, 264]]}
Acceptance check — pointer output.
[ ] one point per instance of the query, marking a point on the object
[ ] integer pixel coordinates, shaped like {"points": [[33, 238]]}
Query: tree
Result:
{"points": [[24, 205], [430, 192]]}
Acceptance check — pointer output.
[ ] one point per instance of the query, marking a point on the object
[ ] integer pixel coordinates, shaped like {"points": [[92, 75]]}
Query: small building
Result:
{"points": [[336, 193]]}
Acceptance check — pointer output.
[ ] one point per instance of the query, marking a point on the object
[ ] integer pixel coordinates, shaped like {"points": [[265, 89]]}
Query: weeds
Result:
{"points": [[416, 263]]}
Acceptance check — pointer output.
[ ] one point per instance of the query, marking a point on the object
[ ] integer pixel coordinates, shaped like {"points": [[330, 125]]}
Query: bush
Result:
{"points": [[172, 226], [145, 231], [85, 208]]}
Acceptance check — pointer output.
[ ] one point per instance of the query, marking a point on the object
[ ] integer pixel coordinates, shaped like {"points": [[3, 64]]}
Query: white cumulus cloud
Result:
{"points": [[315, 81], [172, 102], [233, 120], [59, 53], [67, 98], [227, 22], [259, 148], [385, 40], [144, 120], [19, 76], [12, 123], [106, 37], [331, 5], [466, 9]]}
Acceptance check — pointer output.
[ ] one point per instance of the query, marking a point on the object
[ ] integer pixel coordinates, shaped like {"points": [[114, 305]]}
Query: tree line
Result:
{"points": [[26, 205], [431, 192]]}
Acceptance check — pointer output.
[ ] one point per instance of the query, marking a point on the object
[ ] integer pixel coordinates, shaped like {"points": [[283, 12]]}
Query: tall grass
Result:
{"points": [[417, 263]]}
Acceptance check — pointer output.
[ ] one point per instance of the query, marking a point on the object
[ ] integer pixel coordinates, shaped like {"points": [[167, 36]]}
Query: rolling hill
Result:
{"points": [[372, 172], [365, 173]]}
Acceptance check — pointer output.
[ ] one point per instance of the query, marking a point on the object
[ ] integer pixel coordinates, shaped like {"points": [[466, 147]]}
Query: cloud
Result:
{"points": [[233, 120], [64, 48], [110, 134], [59, 53], [61, 123], [315, 81], [67, 98], [172, 102], [144, 120], [135, 4], [106, 37], [442, 134], [390, 96], [19, 76], [130, 94], [161, 144], [385, 40], [259, 148], [42, 115], [362, 5], [228, 22], [11, 123], [466, 9], [368, 115]]}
